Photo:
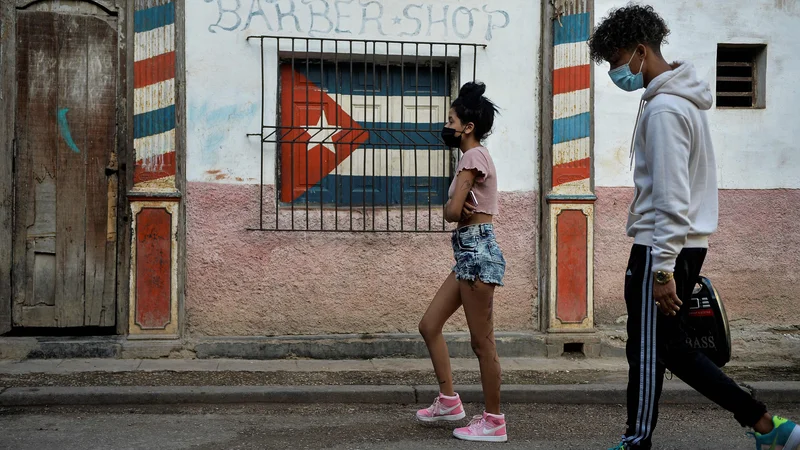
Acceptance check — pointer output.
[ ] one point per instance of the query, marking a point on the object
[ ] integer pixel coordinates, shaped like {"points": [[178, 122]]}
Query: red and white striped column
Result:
{"points": [[153, 308], [570, 198]]}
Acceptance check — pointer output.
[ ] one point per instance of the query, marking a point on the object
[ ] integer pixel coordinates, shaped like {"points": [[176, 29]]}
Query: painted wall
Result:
{"points": [[755, 148], [242, 282], [752, 256]]}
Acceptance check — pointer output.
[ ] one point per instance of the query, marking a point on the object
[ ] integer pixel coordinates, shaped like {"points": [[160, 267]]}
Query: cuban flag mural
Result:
{"points": [[356, 133]]}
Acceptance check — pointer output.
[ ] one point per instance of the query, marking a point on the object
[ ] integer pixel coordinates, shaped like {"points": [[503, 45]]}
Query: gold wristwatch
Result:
{"points": [[663, 277]]}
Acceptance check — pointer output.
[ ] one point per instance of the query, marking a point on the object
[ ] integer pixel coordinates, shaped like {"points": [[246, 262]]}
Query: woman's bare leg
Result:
{"points": [[446, 301], [478, 301]]}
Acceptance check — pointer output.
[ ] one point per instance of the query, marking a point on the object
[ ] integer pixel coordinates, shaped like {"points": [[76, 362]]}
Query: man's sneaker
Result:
{"points": [[785, 436], [621, 446], [443, 408], [485, 428]]}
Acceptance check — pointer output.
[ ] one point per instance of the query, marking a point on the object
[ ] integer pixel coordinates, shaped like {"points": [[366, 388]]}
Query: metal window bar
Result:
{"points": [[321, 75], [741, 85], [736, 76]]}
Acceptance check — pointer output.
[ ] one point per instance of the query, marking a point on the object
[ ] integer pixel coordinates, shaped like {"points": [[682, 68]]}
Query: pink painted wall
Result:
{"points": [[244, 283], [753, 258]]}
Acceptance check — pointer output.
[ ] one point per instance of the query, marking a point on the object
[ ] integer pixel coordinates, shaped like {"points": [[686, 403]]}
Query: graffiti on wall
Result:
{"points": [[63, 128], [358, 18]]}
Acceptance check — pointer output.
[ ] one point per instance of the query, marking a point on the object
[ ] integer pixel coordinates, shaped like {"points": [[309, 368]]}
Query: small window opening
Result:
{"points": [[741, 70]]}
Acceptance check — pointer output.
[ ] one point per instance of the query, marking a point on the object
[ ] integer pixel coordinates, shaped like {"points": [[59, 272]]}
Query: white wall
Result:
{"points": [[224, 72], [755, 149]]}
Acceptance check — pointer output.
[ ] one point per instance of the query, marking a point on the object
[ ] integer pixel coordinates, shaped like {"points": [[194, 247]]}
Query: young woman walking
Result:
{"points": [[479, 268]]}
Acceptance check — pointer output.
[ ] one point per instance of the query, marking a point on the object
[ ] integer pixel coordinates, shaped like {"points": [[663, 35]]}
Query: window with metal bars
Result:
{"points": [[356, 138], [741, 72]]}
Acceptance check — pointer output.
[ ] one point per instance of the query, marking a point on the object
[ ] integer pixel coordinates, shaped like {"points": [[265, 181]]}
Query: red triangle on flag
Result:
{"points": [[316, 134]]}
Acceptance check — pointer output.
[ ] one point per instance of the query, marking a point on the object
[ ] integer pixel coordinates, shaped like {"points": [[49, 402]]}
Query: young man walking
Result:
{"points": [[673, 213]]}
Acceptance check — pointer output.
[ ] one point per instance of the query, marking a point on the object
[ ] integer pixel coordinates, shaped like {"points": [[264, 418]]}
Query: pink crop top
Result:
{"points": [[485, 188]]}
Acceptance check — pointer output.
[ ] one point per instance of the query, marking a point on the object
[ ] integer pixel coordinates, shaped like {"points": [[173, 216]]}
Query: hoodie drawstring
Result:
{"points": [[635, 129]]}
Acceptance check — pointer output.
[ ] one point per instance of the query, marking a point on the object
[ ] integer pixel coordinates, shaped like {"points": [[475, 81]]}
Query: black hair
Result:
{"points": [[472, 106], [624, 29]]}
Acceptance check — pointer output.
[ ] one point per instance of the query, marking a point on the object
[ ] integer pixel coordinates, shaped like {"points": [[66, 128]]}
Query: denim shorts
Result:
{"points": [[478, 255]]}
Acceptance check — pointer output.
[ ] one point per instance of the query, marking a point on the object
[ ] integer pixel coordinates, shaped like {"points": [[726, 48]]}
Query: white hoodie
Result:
{"points": [[675, 203]]}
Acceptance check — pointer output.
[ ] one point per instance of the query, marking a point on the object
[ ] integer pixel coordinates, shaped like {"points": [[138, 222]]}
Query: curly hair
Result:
{"points": [[624, 29], [472, 106]]}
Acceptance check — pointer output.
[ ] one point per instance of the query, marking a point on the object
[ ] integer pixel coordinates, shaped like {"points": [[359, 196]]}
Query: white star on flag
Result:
{"points": [[322, 131]]}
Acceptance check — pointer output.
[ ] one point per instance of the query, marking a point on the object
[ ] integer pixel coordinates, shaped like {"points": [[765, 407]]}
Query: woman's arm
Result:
{"points": [[454, 207]]}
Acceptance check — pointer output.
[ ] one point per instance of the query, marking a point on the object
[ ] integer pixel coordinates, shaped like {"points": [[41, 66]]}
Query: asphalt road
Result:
{"points": [[380, 427]]}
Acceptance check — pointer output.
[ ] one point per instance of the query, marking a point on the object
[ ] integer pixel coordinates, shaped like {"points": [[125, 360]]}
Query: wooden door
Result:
{"points": [[64, 268]]}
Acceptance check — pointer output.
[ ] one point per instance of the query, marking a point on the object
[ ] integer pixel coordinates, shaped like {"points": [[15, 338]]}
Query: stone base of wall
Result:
{"points": [[757, 344]]}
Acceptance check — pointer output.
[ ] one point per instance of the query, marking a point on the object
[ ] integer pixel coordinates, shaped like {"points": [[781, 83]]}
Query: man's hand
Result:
{"points": [[467, 211], [666, 297]]}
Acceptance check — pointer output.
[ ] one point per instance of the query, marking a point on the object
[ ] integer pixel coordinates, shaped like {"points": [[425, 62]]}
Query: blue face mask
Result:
{"points": [[625, 79]]}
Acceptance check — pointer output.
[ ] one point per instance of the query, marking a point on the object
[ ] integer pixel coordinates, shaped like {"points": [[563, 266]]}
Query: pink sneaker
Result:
{"points": [[485, 428], [443, 408]]}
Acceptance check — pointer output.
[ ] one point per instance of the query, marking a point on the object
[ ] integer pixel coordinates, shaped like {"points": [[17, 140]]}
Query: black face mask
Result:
{"points": [[449, 137]]}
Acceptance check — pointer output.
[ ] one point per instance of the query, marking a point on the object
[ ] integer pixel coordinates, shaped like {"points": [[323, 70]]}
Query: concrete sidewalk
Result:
{"points": [[543, 365], [65, 366], [405, 381], [675, 392]]}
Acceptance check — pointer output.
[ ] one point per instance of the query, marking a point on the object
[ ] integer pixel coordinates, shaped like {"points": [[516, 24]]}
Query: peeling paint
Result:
{"points": [[213, 124], [787, 6]]}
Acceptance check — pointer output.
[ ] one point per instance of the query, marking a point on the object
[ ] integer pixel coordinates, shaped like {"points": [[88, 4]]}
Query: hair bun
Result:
{"points": [[472, 106], [472, 92]]}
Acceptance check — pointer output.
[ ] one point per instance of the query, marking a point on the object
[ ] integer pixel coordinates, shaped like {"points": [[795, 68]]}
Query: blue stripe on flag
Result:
{"points": [[154, 122], [571, 128], [573, 28], [366, 81], [404, 136], [386, 190], [155, 17]]}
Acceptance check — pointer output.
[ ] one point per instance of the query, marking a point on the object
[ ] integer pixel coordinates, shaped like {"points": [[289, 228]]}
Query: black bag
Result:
{"points": [[706, 324]]}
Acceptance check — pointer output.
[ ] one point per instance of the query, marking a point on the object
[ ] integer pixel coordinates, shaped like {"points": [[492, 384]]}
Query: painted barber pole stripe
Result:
{"points": [[154, 112], [571, 100]]}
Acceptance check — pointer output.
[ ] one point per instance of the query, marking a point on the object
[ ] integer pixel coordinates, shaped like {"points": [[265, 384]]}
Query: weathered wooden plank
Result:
{"points": [[126, 159], [38, 317], [44, 188], [44, 272], [37, 135], [100, 243], [736, 79], [102, 7], [39, 309], [734, 94], [40, 242], [180, 148], [7, 124], [735, 64], [23, 198], [71, 190]]}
